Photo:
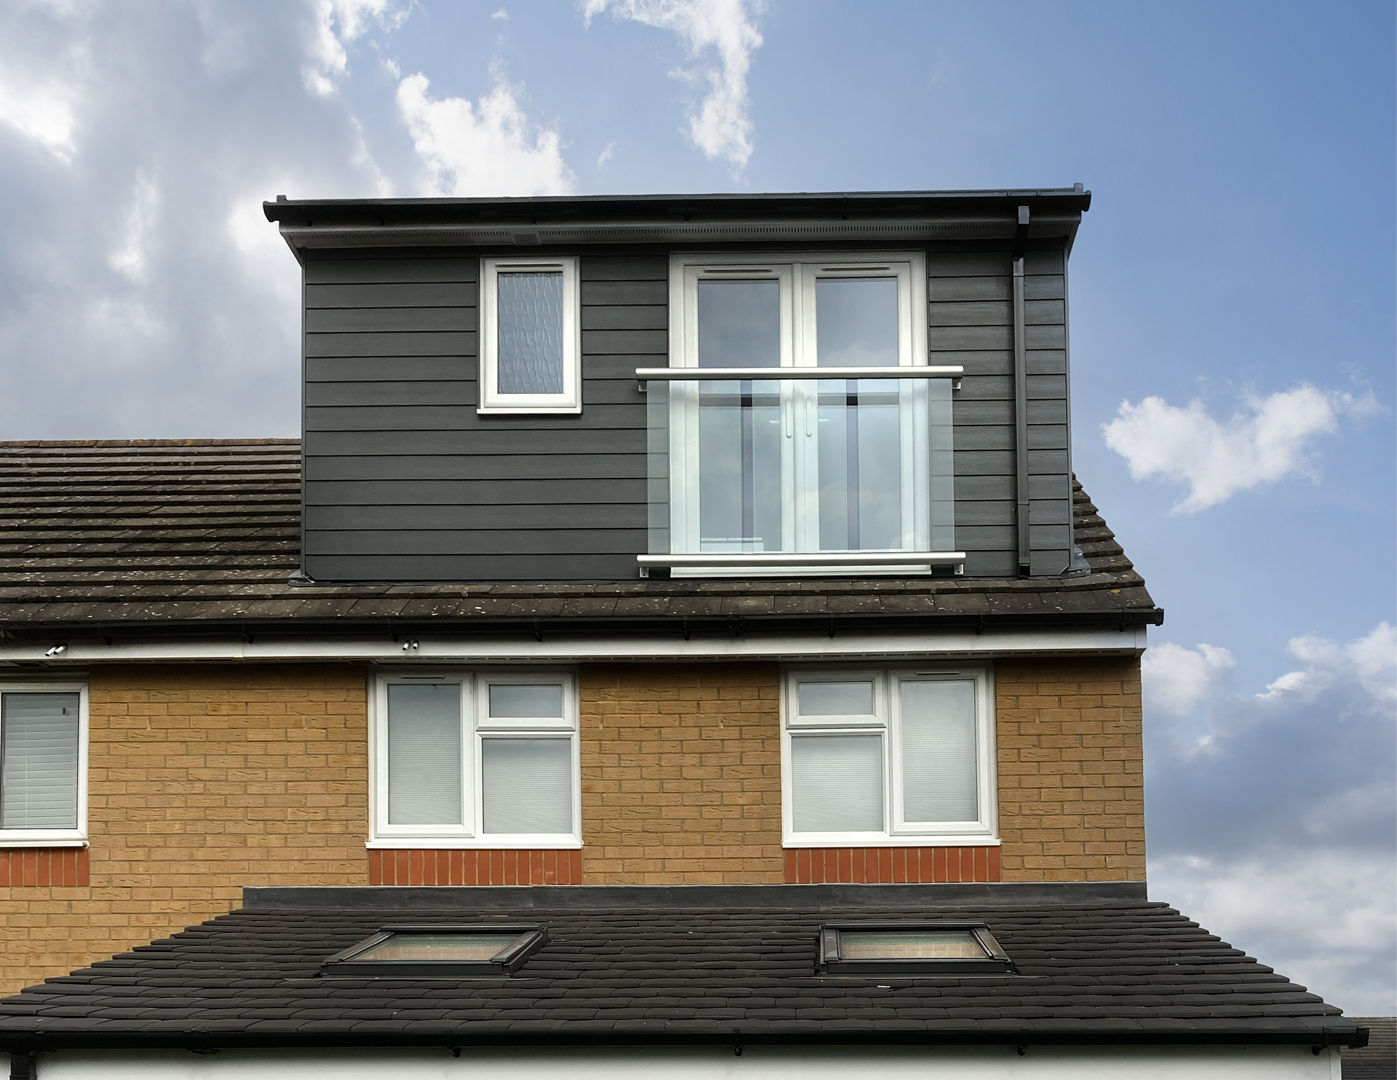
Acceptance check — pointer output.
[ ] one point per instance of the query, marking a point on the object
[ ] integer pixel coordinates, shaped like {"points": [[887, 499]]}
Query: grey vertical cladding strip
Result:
{"points": [[1049, 442], [406, 482]]}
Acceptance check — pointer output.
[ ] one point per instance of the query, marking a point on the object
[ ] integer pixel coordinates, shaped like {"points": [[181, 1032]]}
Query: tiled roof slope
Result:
{"points": [[174, 531], [1118, 970]]}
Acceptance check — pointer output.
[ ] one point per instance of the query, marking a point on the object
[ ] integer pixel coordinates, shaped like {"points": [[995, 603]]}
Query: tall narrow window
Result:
{"points": [[477, 759], [888, 757], [43, 735], [530, 339]]}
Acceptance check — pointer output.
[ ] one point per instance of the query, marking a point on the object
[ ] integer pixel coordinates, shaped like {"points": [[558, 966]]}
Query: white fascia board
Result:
{"points": [[558, 646]]}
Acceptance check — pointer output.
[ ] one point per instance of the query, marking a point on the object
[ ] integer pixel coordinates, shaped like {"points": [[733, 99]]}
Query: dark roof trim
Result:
{"points": [[905, 216], [724, 625], [1349, 1035], [668, 898]]}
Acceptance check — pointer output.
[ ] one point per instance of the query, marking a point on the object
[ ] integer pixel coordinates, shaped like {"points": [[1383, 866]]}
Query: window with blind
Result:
{"points": [[530, 336], [888, 757], [476, 759], [43, 740]]}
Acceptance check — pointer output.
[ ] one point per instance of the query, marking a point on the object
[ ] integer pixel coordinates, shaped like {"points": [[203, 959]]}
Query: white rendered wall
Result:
{"points": [[755, 1063]]}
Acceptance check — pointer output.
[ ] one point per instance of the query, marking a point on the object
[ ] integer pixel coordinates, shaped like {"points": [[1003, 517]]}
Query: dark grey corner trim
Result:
{"points": [[672, 897]]}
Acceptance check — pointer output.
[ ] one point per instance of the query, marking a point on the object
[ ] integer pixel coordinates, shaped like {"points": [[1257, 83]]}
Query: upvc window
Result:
{"points": [[888, 757], [530, 336], [476, 759], [43, 764], [805, 465]]}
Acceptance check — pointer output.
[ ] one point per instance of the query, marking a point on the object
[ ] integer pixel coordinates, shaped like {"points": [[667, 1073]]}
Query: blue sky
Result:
{"points": [[1232, 321]]}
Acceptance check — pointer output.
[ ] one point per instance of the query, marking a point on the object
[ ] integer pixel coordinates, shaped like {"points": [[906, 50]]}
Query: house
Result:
{"points": [[576, 690]]}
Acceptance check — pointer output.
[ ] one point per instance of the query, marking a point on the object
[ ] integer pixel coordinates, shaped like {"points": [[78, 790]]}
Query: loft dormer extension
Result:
{"points": [[502, 390]]}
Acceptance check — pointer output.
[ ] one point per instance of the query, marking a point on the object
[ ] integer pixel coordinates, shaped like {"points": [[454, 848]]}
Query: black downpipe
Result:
{"points": [[1021, 398]]}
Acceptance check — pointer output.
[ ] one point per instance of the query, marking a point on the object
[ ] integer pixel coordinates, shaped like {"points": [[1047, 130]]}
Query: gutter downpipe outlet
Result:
{"points": [[1021, 397]]}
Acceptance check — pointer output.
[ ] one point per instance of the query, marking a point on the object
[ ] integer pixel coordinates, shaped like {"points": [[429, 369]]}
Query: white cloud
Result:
{"points": [[337, 23], [40, 89], [606, 155], [1175, 679], [1269, 439], [129, 258], [1322, 918], [719, 125], [484, 148], [1371, 661]]}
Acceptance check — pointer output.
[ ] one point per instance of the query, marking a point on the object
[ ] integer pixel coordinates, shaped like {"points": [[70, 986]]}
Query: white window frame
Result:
{"points": [[494, 403], [476, 725], [75, 837], [887, 721], [796, 274]]}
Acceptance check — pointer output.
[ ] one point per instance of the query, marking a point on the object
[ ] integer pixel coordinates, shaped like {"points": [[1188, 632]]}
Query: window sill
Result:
{"points": [[868, 840], [470, 843], [528, 410], [42, 842]]}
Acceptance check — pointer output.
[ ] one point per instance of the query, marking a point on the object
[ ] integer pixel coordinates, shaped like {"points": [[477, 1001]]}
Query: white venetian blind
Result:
{"points": [[526, 785], [837, 783], [424, 754], [39, 744], [938, 751]]}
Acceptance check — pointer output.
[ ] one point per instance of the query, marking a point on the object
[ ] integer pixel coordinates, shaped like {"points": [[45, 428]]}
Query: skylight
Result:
{"points": [[933, 948], [439, 950]]}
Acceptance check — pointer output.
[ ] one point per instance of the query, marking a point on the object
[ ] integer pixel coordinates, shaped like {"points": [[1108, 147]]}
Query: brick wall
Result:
{"points": [[681, 774], [1071, 776], [201, 780]]}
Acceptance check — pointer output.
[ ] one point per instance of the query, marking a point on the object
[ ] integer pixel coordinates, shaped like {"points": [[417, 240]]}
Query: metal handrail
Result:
{"points": [[780, 374], [804, 558]]}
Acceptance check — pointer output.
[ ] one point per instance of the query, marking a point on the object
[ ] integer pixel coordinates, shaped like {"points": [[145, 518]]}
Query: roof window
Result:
{"points": [[439, 950], [928, 949]]}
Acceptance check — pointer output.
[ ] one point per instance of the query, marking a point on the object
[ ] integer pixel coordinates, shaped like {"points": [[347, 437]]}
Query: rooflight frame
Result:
{"points": [[829, 961], [530, 939]]}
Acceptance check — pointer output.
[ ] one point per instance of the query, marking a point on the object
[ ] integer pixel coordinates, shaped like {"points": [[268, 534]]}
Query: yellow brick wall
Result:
{"points": [[681, 774], [1071, 776], [201, 780]]}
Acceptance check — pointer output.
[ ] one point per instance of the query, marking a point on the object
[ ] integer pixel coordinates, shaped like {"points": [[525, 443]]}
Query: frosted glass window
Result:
{"points": [[424, 754], [39, 743], [440, 947], [541, 700], [530, 313], [856, 322], [938, 751], [527, 785], [836, 698], [739, 324], [909, 945], [837, 783]]}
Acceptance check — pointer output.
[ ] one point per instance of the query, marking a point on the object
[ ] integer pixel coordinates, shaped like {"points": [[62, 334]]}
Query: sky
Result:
{"points": [[1232, 303]]}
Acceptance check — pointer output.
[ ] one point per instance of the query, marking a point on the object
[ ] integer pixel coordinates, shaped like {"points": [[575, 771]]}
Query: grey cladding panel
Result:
{"points": [[940, 263], [405, 481], [943, 289], [972, 313]]}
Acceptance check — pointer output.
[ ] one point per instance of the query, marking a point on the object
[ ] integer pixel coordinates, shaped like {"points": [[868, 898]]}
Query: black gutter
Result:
{"points": [[735, 625], [204, 1041]]}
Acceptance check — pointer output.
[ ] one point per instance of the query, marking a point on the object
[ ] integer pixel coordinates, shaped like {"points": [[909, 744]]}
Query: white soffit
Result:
{"points": [[445, 647]]}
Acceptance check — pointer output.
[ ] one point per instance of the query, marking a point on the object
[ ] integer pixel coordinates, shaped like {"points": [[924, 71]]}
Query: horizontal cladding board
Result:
{"points": [[1047, 462], [624, 293], [554, 518], [444, 343], [1049, 537], [528, 568], [1049, 563], [1050, 486], [375, 271], [998, 287], [454, 418], [501, 467], [624, 268], [419, 294], [1047, 437], [1050, 511], [971, 313], [1044, 287], [984, 388], [1047, 411], [516, 492], [983, 462], [1046, 387], [595, 366], [616, 317], [1044, 313], [970, 413], [991, 564], [987, 512], [625, 342], [507, 440], [986, 437], [976, 338], [385, 320], [986, 488], [452, 391], [994, 262], [559, 542], [1046, 362], [1045, 337], [985, 537]]}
